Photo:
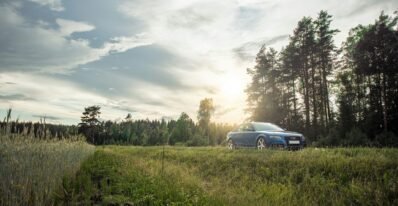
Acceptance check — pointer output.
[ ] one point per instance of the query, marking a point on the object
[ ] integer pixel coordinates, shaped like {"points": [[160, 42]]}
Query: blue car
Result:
{"points": [[264, 135]]}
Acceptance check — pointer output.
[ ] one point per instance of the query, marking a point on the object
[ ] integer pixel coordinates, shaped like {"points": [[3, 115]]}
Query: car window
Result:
{"points": [[266, 127], [246, 127]]}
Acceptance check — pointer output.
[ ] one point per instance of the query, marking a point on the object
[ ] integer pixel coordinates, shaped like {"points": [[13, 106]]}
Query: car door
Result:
{"points": [[237, 136], [244, 135], [250, 135]]}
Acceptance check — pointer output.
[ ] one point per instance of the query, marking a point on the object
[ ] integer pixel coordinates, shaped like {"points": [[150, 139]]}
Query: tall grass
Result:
{"points": [[216, 176], [31, 170]]}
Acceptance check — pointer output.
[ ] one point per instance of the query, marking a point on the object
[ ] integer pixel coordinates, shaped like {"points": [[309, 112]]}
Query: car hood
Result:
{"points": [[281, 133]]}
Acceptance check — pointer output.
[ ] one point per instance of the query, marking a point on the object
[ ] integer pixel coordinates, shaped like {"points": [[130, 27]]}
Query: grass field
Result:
{"points": [[117, 175], [32, 170]]}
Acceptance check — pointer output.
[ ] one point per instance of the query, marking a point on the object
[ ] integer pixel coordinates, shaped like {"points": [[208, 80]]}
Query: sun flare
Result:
{"points": [[232, 86]]}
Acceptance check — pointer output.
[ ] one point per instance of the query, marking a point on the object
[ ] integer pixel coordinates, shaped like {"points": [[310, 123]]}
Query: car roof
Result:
{"points": [[256, 123], [261, 122]]}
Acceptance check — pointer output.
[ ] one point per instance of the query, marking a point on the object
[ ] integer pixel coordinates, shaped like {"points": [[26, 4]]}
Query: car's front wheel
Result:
{"points": [[231, 144], [261, 143]]}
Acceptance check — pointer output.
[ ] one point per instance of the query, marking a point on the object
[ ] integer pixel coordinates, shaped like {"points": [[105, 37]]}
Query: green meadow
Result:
{"points": [[126, 175], [72, 172]]}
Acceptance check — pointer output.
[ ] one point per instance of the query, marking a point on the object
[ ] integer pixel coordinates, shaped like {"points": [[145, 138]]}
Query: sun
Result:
{"points": [[232, 85]]}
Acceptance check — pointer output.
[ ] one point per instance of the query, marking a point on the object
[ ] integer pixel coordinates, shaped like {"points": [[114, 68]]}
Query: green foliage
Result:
{"points": [[333, 138], [91, 115], [388, 139], [183, 129], [264, 90], [375, 56], [292, 88], [216, 176], [197, 140], [89, 125], [206, 110], [368, 76], [356, 137], [155, 132]]}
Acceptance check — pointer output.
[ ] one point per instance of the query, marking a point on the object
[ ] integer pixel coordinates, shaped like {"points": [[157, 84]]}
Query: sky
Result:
{"points": [[153, 59]]}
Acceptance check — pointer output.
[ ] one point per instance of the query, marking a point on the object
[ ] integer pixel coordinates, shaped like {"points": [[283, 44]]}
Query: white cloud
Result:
{"points": [[205, 27], [68, 27], [43, 95], [55, 5], [123, 43], [33, 48], [27, 47], [47, 96]]}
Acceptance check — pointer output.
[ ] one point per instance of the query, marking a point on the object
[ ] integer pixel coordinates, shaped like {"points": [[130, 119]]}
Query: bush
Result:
{"points": [[179, 144], [356, 137], [388, 139], [197, 140], [331, 139]]}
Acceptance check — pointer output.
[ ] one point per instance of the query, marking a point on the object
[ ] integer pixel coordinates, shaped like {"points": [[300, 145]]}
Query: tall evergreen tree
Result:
{"points": [[325, 51], [303, 40], [376, 56], [183, 129], [89, 123], [264, 91], [294, 85]]}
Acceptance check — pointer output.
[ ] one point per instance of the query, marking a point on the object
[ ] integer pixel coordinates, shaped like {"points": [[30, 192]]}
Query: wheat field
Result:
{"points": [[32, 170]]}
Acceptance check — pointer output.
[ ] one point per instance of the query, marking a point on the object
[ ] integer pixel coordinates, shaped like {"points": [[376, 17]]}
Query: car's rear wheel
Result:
{"points": [[231, 144], [261, 143]]}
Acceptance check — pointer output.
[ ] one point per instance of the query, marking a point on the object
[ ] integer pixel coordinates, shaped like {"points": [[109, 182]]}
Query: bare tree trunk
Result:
{"points": [[314, 100], [328, 111], [294, 100], [384, 101], [306, 100], [322, 110]]}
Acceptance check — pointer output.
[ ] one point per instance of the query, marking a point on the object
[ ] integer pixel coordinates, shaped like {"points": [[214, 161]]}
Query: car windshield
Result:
{"points": [[266, 127]]}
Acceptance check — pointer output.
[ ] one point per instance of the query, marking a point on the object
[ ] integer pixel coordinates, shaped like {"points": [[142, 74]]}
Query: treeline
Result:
{"points": [[183, 131], [156, 132], [38, 130], [335, 96]]}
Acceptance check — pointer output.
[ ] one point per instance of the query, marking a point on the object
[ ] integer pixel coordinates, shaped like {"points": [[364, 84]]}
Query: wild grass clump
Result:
{"points": [[31, 170]]}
